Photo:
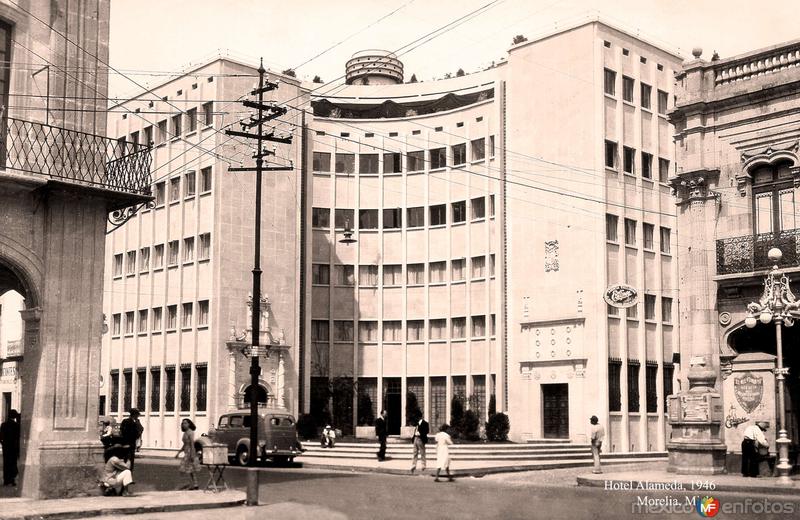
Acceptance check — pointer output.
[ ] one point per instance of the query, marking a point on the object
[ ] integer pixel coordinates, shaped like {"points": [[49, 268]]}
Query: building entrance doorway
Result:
{"points": [[6, 404], [393, 403], [555, 411]]}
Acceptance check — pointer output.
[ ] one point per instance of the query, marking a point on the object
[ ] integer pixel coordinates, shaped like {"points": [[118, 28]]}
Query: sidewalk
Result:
{"points": [[148, 502]]}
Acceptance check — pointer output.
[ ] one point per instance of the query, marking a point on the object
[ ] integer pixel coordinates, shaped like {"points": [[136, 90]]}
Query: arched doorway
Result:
{"points": [[261, 395]]}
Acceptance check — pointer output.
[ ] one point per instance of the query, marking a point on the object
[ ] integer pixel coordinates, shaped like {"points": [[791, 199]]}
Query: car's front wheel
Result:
{"points": [[242, 455]]}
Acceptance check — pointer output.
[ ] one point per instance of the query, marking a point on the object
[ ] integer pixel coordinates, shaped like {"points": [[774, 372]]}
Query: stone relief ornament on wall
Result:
{"points": [[550, 255], [621, 296], [749, 390]]}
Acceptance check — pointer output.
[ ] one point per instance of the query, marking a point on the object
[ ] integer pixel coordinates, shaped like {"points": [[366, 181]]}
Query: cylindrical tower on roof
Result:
{"points": [[374, 67]]}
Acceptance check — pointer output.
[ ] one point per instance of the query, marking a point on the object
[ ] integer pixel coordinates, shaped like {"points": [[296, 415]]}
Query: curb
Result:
{"points": [[132, 510], [769, 487]]}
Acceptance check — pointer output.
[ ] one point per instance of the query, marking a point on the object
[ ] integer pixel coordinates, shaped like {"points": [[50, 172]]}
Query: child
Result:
{"points": [[443, 442]]}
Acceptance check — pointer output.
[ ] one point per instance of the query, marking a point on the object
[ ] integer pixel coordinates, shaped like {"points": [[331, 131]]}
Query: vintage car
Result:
{"points": [[277, 436]]}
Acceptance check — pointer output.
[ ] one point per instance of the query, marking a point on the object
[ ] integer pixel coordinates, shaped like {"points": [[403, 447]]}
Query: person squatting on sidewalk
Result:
{"points": [[328, 438], [597, 435], [420, 439], [753, 440], [443, 442], [117, 476]]}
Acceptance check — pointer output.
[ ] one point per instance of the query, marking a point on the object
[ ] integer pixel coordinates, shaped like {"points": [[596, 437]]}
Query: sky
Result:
{"points": [[150, 38]]}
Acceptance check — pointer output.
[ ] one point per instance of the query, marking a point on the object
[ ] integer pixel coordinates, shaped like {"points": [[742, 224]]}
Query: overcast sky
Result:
{"points": [[168, 35]]}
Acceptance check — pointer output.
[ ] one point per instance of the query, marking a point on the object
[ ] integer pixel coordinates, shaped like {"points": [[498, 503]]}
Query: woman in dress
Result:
{"points": [[190, 464], [443, 442], [117, 477]]}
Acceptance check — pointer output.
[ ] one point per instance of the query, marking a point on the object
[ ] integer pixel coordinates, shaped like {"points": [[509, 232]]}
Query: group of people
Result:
{"points": [[419, 439]]}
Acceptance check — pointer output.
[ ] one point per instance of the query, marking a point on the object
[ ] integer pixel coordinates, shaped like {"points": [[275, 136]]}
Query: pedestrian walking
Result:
{"points": [[753, 440], [382, 431], [190, 465], [597, 435], [443, 442], [420, 439], [9, 438], [131, 432], [117, 475]]}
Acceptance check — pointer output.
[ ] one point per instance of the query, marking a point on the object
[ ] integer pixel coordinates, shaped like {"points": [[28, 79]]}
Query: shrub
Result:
{"points": [[365, 415], [469, 426], [492, 405], [306, 427], [456, 417], [413, 412], [497, 427]]}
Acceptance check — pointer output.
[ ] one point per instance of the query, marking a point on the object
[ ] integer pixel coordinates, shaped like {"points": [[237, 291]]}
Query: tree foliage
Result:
{"points": [[413, 411]]}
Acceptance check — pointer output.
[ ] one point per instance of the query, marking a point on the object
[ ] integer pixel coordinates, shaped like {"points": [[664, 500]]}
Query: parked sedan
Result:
{"points": [[277, 436]]}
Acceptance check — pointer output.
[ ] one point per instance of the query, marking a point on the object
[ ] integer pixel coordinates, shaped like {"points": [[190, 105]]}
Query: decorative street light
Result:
{"points": [[777, 304]]}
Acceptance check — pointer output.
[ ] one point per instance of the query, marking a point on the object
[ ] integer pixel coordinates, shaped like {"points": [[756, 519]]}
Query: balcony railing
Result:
{"points": [[75, 157], [749, 253], [758, 64], [15, 348]]}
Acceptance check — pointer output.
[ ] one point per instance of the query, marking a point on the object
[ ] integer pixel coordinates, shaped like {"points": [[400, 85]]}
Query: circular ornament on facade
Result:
{"points": [[552, 332], [552, 353], [569, 352], [569, 340], [552, 342], [537, 332], [725, 318], [621, 296], [538, 343], [538, 354], [569, 329]]}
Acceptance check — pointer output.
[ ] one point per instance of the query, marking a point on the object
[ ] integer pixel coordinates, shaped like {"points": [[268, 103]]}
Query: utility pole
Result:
{"points": [[265, 113]]}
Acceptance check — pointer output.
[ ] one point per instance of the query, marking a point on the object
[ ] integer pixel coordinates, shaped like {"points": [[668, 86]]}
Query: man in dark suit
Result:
{"points": [[131, 432], [382, 431], [420, 439], [9, 439]]}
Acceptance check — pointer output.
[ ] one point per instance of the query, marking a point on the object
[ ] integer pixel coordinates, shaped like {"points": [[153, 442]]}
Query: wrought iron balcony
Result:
{"points": [[749, 253], [75, 157]]}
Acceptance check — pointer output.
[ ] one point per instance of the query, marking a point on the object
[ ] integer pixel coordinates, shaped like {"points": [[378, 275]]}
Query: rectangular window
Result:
{"points": [[205, 179], [632, 313], [367, 163], [169, 389], [416, 217], [668, 371], [628, 159], [491, 205], [438, 329], [630, 232], [157, 319], [202, 313], [649, 307], [627, 89], [186, 388], [438, 158], [612, 311], [148, 136], [609, 82], [162, 132], [141, 388], [614, 389], [493, 324], [392, 162], [343, 219], [177, 125], [131, 261], [175, 189], [611, 155], [172, 254], [320, 274], [438, 215], [129, 318], [319, 330], [459, 211], [189, 184], [201, 373], [491, 264], [155, 389], [187, 316], [188, 249], [665, 236], [143, 320], [415, 330], [633, 387], [459, 328], [647, 165], [392, 274], [392, 331], [322, 162], [342, 330], [478, 148], [127, 396], [368, 219], [158, 256], [478, 326], [648, 230], [320, 217], [663, 100], [114, 393], [415, 274], [459, 154], [651, 376], [438, 272], [478, 206], [478, 267], [458, 269], [204, 247], [118, 265], [666, 309], [161, 193], [144, 259], [415, 161], [491, 146], [646, 90], [368, 331], [611, 227], [368, 275], [663, 169], [191, 120], [344, 275], [345, 163], [172, 317], [208, 113], [392, 218], [116, 324]]}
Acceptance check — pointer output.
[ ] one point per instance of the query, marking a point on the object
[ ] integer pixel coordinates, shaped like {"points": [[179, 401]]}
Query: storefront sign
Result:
{"points": [[621, 296], [695, 408], [749, 389]]}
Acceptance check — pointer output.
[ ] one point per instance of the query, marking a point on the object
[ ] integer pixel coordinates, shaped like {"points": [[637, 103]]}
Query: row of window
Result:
{"points": [[651, 377], [368, 275], [175, 126], [649, 309], [370, 163], [648, 234], [392, 218], [392, 330], [629, 162], [153, 319], [629, 88], [190, 186], [158, 396], [173, 254], [627, 52]]}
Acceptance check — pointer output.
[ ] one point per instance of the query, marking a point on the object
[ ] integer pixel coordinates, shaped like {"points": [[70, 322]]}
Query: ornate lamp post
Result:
{"points": [[777, 304]]}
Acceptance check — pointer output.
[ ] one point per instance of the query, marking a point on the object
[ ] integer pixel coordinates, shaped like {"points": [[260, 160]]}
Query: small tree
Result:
{"points": [[306, 427], [413, 411], [459, 73], [519, 39], [497, 427], [289, 72], [413, 78], [317, 79], [470, 424], [365, 415], [456, 416], [448, 76], [492, 405]]}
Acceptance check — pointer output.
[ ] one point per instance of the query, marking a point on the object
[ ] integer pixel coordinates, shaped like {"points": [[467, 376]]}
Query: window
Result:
{"points": [[663, 169], [345, 163], [478, 206], [415, 330], [632, 313], [169, 389], [612, 311], [392, 274], [344, 275], [172, 317], [628, 159], [143, 321], [392, 331], [205, 179], [415, 161], [320, 217], [649, 307], [368, 218], [118, 265], [478, 326], [187, 316], [204, 250], [114, 391], [344, 219], [491, 205], [321, 162], [208, 113], [614, 390], [141, 388], [368, 331], [416, 217], [392, 218], [459, 154], [320, 274], [342, 330], [651, 395], [459, 211], [438, 272], [438, 158], [191, 120], [627, 89], [663, 100], [458, 267], [189, 184], [156, 322], [201, 373], [131, 262], [647, 165], [438, 329], [645, 91], [609, 81], [611, 155], [368, 275], [493, 324], [415, 274], [158, 256], [648, 230], [478, 267], [611, 227], [438, 215], [186, 388], [633, 387], [668, 371], [368, 163], [491, 265], [176, 125], [161, 193], [116, 324], [666, 309], [172, 258], [774, 205], [148, 136], [188, 249], [478, 147], [129, 317], [155, 389], [459, 328], [665, 238], [392, 163], [175, 189], [162, 132], [319, 330], [144, 259]]}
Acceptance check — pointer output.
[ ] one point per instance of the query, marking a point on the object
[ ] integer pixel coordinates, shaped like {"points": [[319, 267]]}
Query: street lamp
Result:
{"points": [[777, 304]]}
